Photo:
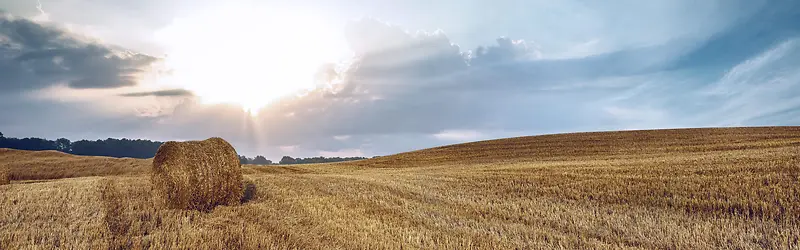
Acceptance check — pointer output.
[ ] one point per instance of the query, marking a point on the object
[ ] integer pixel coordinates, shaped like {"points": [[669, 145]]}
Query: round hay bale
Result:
{"points": [[198, 175]]}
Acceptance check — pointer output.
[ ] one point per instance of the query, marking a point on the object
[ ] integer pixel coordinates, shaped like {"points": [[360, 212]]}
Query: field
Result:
{"points": [[736, 188]]}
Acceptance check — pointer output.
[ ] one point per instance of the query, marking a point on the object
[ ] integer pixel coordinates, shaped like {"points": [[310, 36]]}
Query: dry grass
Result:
{"points": [[115, 218], [46, 165], [197, 175], [5, 178], [249, 191], [670, 189]]}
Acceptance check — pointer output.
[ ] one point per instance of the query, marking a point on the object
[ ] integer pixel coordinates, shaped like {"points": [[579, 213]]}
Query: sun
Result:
{"points": [[247, 55]]}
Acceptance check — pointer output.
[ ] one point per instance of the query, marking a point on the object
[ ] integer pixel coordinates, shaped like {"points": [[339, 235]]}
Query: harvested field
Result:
{"points": [[48, 165], [672, 189], [5, 178]]}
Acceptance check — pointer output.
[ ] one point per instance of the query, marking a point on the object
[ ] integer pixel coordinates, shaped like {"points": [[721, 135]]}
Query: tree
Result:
{"points": [[261, 160], [142, 149], [287, 160], [137, 148], [243, 160], [318, 159], [63, 145], [30, 144]]}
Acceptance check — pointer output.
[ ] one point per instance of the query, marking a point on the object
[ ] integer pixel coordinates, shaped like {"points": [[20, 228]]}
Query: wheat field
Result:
{"points": [[734, 188]]}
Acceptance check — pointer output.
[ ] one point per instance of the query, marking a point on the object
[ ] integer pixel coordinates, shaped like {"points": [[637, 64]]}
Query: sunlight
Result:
{"points": [[247, 56]]}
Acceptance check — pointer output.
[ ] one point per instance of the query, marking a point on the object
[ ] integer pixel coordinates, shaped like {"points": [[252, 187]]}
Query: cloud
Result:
{"points": [[35, 56], [341, 137], [416, 89], [42, 16], [168, 93], [458, 135], [386, 52], [343, 153], [768, 23], [506, 50], [288, 149], [420, 82], [764, 87]]}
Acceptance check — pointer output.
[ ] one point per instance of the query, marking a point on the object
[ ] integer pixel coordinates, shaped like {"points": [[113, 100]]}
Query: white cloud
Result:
{"points": [[764, 85], [343, 153], [42, 16], [289, 149], [458, 135]]}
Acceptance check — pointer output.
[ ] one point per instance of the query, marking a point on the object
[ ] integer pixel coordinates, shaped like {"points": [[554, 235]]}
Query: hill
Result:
{"points": [[607, 145], [683, 188], [44, 165]]}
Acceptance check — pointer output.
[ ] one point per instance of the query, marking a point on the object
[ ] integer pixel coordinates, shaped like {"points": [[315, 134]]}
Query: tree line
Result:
{"points": [[259, 160], [318, 159], [286, 160], [110, 147], [138, 148]]}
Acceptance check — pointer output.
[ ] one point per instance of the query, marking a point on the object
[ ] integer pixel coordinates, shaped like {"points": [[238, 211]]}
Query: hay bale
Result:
{"points": [[197, 175]]}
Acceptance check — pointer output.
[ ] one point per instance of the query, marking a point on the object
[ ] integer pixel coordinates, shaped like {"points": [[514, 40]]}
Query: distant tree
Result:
{"points": [[29, 144], [63, 145], [318, 159], [287, 160], [243, 160], [116, 148], [138, 148], [261, 160]]}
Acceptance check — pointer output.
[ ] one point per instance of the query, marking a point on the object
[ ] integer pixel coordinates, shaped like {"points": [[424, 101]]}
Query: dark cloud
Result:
{"points": [[33, 56], [169, 92]]}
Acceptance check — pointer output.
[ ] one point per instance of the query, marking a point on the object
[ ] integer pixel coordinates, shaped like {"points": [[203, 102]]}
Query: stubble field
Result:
{"points": [[735, 188]]}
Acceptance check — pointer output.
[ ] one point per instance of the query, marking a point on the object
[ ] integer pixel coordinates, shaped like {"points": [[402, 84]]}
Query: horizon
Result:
{"points": [[145, 151], [277, 159], [352, 78]]}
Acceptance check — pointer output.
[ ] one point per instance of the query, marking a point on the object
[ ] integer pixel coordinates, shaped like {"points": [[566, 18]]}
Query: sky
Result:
{"points": [[364, 78]]}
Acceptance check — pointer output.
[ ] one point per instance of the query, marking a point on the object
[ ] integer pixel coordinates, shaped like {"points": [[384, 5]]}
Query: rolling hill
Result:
{"points": [[681, 188]]}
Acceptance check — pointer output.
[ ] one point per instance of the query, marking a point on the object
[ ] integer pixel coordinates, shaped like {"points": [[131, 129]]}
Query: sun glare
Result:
{"points": [[247, 56]]}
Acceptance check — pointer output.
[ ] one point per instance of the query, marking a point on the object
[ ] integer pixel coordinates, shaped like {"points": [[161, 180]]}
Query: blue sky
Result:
{"points": [[351, 78]]}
